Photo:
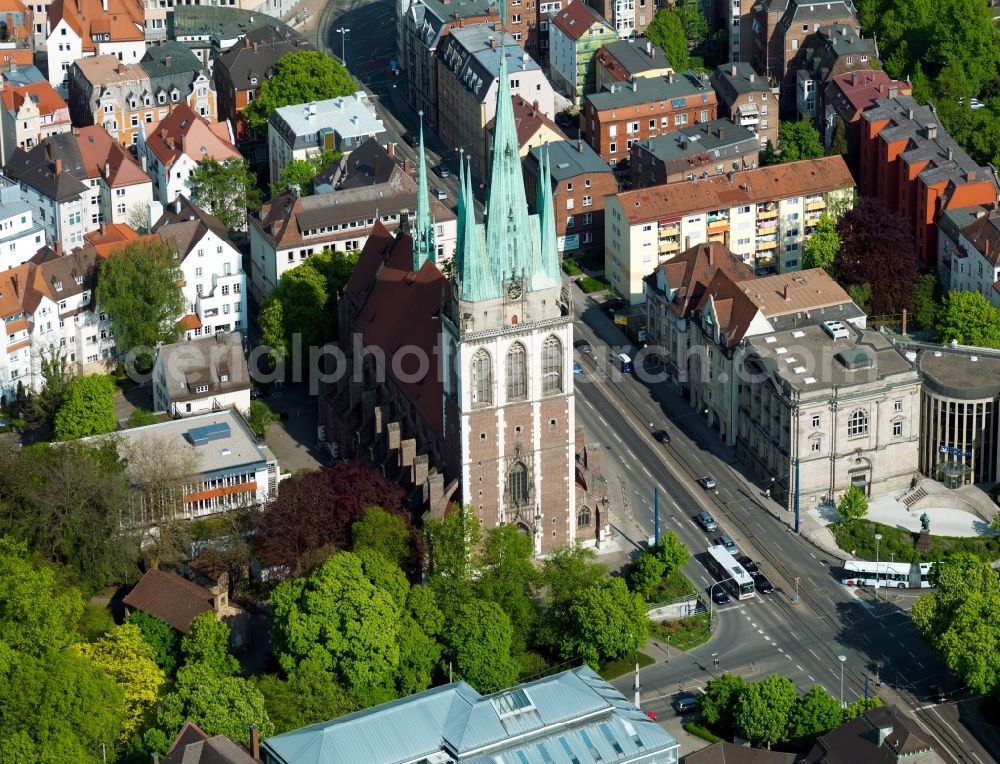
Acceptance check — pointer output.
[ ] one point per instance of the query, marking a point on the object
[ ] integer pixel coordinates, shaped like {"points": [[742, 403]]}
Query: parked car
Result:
{"points": [[255, 393], [583, 346], [720, 596], [763, 585], [749, 565], [661, 436], [728, 543], [685, 703], [937, 694], [564, 120], [409, 139], [706, 521], [615, 303], [976, 104], [441, 171], [577, 368], [439, 193], [707, 482]]}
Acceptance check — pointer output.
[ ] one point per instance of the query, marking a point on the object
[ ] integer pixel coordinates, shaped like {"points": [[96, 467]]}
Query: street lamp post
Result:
{"points": [[842, 659], [343, 31], [878, 538]]}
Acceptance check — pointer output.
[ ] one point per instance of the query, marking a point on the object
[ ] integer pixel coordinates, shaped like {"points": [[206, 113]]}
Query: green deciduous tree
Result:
{"points": [[507, 577], [260, 417], [163, 640], [219, 705], [693, 20], [719, 701], [339, 618], [861, 705], [125, 656], [305, 302], [56, 376], [969, 319], [299, 77], [853, 505], [451, 542], [226, 190], [383, 532], [672, 552], [646, 573], [565, 574], [309, 695], [925, 300], [821, 248], [814, 714], [55, 706], [207, 644], [607, 621], [87, 409], [959, 620], [478, 643], [799, 140], [139, 288], [763, 708], [302, 172], [667, 30]]}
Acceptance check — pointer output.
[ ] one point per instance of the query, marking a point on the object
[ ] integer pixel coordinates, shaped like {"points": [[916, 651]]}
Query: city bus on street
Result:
{"points": [[729, 573], [898, 575]]}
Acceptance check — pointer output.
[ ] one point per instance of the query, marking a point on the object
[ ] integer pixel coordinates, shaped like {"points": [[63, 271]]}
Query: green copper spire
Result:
{"points": [[477, 278], [508, 233], [423, 233], [545, 272], [460, 229]]}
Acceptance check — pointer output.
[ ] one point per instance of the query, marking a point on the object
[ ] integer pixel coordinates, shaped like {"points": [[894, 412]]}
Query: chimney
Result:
{"points": [[784, 293], [104, 5], [751, 77], [904, 322], [854, 79], [684, 144], [687, 243], [378, 165], [144, 161], [893, 91], [390, 149], [168, 61], [493, 43], [649, 49], [635, 83], [255, 47], [951, 154], [909, 114], [120, 68], [670, 78], [13, 283], [732, 72], [534, 105], [970, 176], [107, 169], [58, 167], [883, 734], [177, 206], [57, 248], [184, 143], [931, 131], [254, 742], [721, 133]]}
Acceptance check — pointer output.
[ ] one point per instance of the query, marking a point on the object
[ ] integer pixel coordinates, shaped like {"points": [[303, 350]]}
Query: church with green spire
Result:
{"points": [[493, 409]]}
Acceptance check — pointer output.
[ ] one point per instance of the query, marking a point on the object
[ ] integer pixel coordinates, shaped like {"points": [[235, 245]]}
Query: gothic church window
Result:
{"points": [[583, 517], [517, 485], [552, 366], [517, 373], [482, 378]]}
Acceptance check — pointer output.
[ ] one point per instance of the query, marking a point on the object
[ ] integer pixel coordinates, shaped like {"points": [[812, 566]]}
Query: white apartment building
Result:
{"points": [[81, 28], [47, 307], [214, 285], [307, 130], [29, 114], [172, 148], [20, 236], [200, 376], [763, 215], [969, 251]]}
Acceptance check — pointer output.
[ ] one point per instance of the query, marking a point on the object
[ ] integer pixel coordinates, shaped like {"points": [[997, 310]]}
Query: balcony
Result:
{"points": [[763, 246], [718, 225], [767, 228], [815, 204], [765, 211], [671, 228], [747, 114]]}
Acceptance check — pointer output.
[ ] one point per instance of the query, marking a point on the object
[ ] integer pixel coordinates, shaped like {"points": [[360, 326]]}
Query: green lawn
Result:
{"points": [[590, 285], [571, 268], [671, 587], [685, 633], [858, 538], [621, 666]]}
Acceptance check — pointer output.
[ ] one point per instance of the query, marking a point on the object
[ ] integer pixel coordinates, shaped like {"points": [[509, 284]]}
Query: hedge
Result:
{"points": [[697, 730]]}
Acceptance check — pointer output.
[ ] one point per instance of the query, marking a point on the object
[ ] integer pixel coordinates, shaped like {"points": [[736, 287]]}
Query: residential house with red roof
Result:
{"points": [[81, 28], [126, 190], [105, 91], [913, 165], [763, 215], [175, 145], [534, 128], [843, 99], [30, 113], [576, 34]]}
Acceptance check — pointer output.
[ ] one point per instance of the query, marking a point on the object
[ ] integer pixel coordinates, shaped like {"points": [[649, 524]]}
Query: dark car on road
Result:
{"points": [[719, 596], [937, 694], [763, 585], [685, 703], [441, 171], [706, 521], [409, 139], [565, 120], [583, 346], [707, 482], [726, 541], [749, 565], [661, 436]]}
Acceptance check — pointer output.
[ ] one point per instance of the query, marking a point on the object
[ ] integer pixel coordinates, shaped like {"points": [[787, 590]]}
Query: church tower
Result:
{"points": [[507, 350]]}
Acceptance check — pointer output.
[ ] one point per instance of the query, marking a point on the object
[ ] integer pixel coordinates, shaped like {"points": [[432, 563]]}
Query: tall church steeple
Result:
{"points": [[545, 272], [477, 279], [423, 232]]}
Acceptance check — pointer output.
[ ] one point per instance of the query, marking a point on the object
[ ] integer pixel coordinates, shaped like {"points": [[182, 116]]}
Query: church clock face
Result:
{"points": [[513, 290]]}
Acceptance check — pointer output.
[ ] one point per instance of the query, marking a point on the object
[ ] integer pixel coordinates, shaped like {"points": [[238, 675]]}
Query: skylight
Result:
{"points": [[770, 340]]}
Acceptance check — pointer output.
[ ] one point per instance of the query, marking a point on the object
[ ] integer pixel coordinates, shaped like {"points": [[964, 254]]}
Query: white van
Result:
{"points": [[625, 363]]}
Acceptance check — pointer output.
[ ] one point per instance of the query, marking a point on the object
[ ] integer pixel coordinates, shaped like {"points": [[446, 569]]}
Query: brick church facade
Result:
{"points": [[461, 386]]}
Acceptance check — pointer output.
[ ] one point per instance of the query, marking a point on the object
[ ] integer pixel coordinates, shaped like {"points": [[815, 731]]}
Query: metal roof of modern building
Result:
{"points": [[350, 116], [567, 717]]}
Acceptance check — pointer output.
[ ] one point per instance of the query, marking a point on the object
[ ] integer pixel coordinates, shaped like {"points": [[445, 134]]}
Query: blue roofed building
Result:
{"points": [[568, 718]]}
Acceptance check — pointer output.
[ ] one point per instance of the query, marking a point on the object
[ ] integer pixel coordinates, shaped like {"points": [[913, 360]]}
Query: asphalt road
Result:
{"points": [[769, 633]]}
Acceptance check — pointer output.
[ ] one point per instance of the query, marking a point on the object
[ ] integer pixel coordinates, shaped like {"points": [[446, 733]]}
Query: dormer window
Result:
{"points": [[223, 377], [58, 286], [174, 95], [201, 389], [161, 98], [78, 280]]}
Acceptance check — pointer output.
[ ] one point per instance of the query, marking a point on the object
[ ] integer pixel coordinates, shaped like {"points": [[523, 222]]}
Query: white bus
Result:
{"points": [[899, 575], [729, 573]]}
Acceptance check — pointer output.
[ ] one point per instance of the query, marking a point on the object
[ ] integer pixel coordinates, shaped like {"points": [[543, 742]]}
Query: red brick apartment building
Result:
{"points": [[908, 161], [643, 108]]}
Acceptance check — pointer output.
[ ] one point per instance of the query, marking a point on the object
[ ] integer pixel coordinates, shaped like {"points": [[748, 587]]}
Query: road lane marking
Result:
{"points": [[648, 473], [799, 667], [605, 423], [796, 636], [788, 656], [813, 654], [811, 678], [616, 437], [812, 555]]}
